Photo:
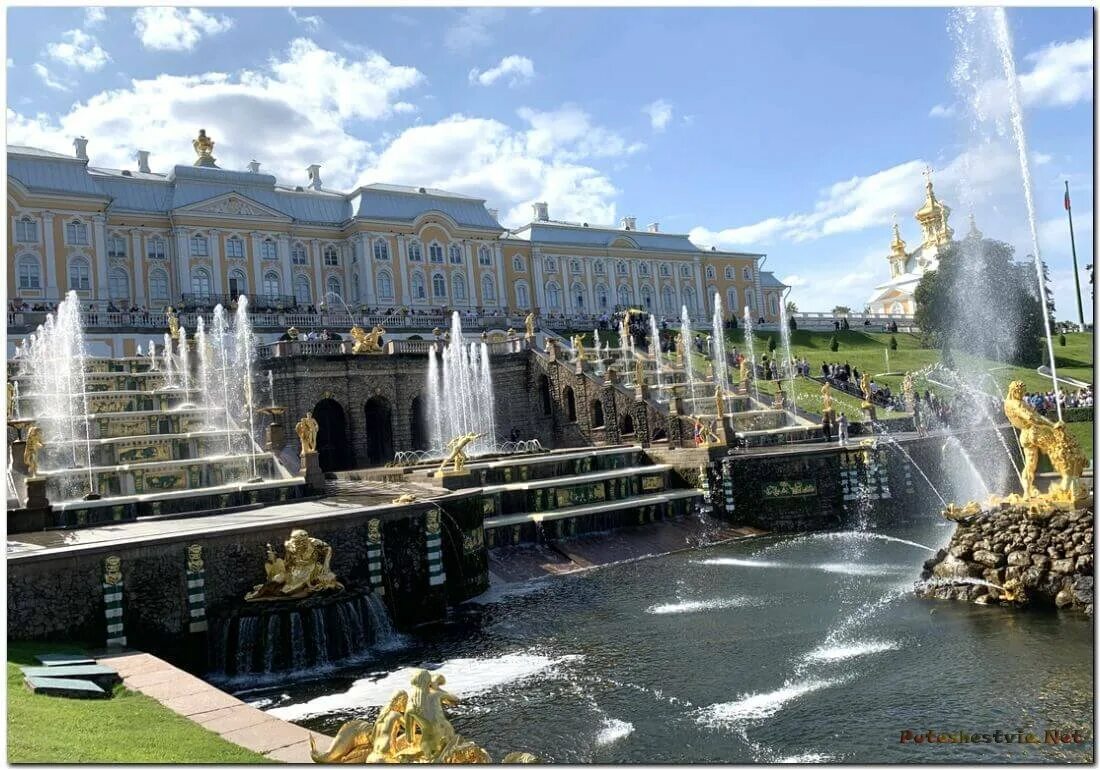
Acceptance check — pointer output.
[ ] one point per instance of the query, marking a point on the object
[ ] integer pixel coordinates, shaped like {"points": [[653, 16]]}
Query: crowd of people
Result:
{"points": [[1046, 402]]}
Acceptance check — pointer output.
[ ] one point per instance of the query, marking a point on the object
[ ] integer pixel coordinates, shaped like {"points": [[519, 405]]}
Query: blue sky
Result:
{"points": [[795, 132]]}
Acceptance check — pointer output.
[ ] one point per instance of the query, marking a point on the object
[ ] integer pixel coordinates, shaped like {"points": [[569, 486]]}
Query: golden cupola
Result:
{"points": [[898, 254], [932, 217]]}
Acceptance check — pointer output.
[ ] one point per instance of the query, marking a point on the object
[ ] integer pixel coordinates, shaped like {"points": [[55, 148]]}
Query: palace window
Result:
{"points": [[647, 297], [624, 295], [80, 277], [76, 233], [730, 275], [643, 270], [459, 288], [271, 284], [381, 249], [385, 285], [710, 272], [773, 304], [456, 254], [156, 248], [522, 298], [621, 268], [29, 275], [200, 282], [601, 296], [550, 265], [26, 230], [335, 287], [332, 257], [439, 286], [733, 304], [268, 249], [158, 286], [435, 253], [484, 256], [298, 254], [238, 283], [517, 265], [746, 274], [488, 290], [553, 296], [575, 266], [665, 270], [689, 299], [302, 293], [685, 271], [578, 296], [199, 246], [415, 252], [116, 247], [234, 248], [598, 267], [418, 292], [118, 284], [668, 299]]}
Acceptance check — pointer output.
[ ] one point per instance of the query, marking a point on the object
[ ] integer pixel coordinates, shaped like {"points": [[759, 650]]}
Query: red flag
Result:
{"points": [[1067, 199]]}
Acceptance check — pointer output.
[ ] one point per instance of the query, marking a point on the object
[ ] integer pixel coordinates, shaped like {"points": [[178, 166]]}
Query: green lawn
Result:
{"points": [[127, 728], [1082, 431]]}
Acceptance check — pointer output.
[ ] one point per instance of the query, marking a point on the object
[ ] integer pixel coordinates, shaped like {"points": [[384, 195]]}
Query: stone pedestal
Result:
{"points": [[869, 413], [36, 493], [275, 437], [446, 473], [311, 471], [16, 448], [36, 514]]}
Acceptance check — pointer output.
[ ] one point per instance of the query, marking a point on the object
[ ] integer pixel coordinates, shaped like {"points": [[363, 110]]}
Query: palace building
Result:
{"points": [[199, 234]]}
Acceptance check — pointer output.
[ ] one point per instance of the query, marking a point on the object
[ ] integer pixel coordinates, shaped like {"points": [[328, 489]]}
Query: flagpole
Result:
{"points": [[1073, 248]]}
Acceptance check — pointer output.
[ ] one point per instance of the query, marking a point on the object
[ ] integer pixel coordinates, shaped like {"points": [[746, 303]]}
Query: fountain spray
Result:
{"points": [[785, 338], [245, 348], [750, 349], [655, 347], [689, 370], [721, 365]]}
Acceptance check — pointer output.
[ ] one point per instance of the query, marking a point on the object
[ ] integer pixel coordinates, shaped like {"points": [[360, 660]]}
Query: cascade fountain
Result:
{"points": [[687, 343], [185, 366], [598, 350], [460, 393], [721, 365], [245, 349], [785, 339], [168, 363], [655, 349], [750, 351], [624, 347]]}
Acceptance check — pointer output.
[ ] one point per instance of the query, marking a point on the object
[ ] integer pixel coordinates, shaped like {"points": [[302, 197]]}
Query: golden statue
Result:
{"points": [[908, 391], [402, 500], [11, 399], [457, 453], [826, 398], [194, 558], [35, 443], [529, 322], [367, 342], [720, 402], [746, 370], [112, 570], [204, 148], [1038, 435], [173, 322], [578, 346], [303, 571], [307, 429], [413, 727], [292, 333], [865, 389]]}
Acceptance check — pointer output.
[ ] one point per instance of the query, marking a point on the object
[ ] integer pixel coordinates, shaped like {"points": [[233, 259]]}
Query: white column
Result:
{"points": [[257, 283], [182, 270], [759, 291], [471, 287], [539, 293], [99, 229], [51, 285], [366, 270], [402, 295], [216, 265], [318, 275], [498, 263], [698, 286], [282, 245], [138, 256]]}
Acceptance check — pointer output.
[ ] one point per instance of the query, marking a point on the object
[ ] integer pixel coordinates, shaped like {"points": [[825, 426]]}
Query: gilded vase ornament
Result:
{"points": [[194, 558], [457, 452], [204, 148], [302, 571], [34, 445], [412, 728], [307, 429], [1039, 436]]}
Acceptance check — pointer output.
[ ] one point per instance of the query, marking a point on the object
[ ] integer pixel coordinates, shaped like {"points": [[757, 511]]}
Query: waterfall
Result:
{"points": [[246, 643], [185, 365], [785, 338], [721, 365], [686, 341], [750, 352], [245, 349], [460, 393], [297, 642], [967, 482], [168, 363], [599, 353], [271, 634], [655, 349]]}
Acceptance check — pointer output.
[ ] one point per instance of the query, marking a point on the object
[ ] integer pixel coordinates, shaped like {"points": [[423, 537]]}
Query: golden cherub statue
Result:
{"points": [[204, 148], [826, 398], [529, 322], [865, 389], [457, 453], [34, 445], [578, 346], [307, 429], [1038, 435], [173, 322], [303, 571], [367, 342], [412, 728]]}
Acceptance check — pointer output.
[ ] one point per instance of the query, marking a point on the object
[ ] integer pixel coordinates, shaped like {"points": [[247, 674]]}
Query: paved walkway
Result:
{"points": [[217, 711]]}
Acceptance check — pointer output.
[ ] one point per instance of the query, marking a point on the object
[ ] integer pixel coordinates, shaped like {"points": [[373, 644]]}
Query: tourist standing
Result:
{"points": [[842, 429]]}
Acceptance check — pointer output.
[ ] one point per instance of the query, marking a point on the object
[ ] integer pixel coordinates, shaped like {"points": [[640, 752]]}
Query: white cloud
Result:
{"points": [[660, 113], [293, 112], [1041, 158], [942, 111], [471, 29], [173, 29], [1061, 75], [568, 134], [309, 22], [79, 50], [94, 16], [794, 280], [518, 70], [47, 77]]}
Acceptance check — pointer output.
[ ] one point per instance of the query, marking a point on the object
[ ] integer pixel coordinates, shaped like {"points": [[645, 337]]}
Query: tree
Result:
{"points": [[893, 342], [792, 307], [792, 323], [979, 301], [771, 343], [841, 310], [1062, 340], [833, 344]]}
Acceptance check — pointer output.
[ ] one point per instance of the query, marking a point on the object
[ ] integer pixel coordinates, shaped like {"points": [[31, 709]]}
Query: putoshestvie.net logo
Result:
{"points": [[1047, 737]]}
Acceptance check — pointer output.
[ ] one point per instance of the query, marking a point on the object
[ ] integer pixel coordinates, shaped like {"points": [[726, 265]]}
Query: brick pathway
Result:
{"points": [[220, 712]]}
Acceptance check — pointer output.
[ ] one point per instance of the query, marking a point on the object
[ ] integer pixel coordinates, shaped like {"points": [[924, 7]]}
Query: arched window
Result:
{"points": [[381, 249], [549, 264], [668, 299], [689, 299], [456, 254], [577, 292], [234, 248], [458, 285], [709, 298], [746, 274], [488, 290], [271, 284], [416, 254], [76, 233], [896, 309], [238, 283], [332, 256], [116, 246], [484, 256], [158, 286], [730, 275], [624, 295], [268, 249], [750, 300], [335, 287], [29, 275], [385, 285], [156, 248], [435, 253], [601, 296], [732, 303], [200, 247], [665, 270], [418, 292], [200, 282], [553, 296], [523, 298], [298, 254], [620, 267], [598, 267], [575, 266], [643, 269], [439, 286], [80, 277], [773, 304], [647, 297], [302, 293], [517, 264], [710, 272], [26, 230], [118, 283]]}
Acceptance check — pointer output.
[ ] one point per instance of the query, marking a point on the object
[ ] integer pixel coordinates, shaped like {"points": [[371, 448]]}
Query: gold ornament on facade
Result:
{"points": [[1039, 436], [529, 324], [307, 429], [304, 570], [457, 452], [35, 444], [367, 342], [194, 558], [374, 531], [412, 728], [112, 570], [431, 522], [204, 148]]}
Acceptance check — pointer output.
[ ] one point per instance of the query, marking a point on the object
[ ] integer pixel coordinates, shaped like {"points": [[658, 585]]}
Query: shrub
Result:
{"points": [[771, 344], [893, 342], [1062, 340], [833, 344]]}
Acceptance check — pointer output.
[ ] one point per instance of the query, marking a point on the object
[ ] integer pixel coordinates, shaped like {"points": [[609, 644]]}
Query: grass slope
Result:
{"points": [[127, 728]]}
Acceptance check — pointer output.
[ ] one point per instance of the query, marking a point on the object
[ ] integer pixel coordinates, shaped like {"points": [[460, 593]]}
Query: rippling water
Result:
{"points": [[801, 649]]}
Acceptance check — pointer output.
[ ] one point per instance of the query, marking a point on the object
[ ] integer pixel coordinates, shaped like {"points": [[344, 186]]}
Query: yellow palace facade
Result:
{"points": [[199, 234]]}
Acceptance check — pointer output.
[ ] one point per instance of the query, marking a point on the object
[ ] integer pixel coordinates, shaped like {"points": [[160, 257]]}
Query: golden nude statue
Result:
{"points": [[35, 444], [578, 346], [11, 400], [865, 389], [204, 148], [1038, 435], [529, 323], [746, 370], [307, 429], [457, 452], [908, 392], [412, 728], [173, 323], [826, 398], [367, 342], [303, 571], [720, 402]]}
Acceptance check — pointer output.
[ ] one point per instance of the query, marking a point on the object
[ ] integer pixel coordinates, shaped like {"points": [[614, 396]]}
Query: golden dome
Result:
{"points": [[932, 210], [897, 245]]}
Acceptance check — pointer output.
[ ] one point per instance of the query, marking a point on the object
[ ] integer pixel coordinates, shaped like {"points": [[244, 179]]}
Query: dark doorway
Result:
{"points": [[597, 414], [544, 391], [379, 431], [570, 405], [626, 425], [333, 447], [418, 427]]}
